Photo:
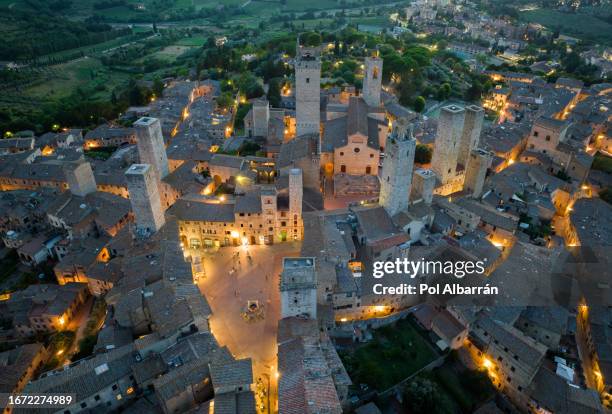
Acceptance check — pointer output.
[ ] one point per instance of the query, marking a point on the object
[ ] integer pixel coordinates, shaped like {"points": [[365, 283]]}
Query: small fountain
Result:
{"points": [[253, 312]]}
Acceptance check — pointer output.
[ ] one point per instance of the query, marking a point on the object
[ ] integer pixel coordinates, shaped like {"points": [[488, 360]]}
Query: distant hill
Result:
{"points": [[28, 33]]}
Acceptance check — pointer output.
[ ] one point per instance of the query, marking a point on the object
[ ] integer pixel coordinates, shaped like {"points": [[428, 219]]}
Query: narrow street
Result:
{"points": [[78, 325], [583, 352]]}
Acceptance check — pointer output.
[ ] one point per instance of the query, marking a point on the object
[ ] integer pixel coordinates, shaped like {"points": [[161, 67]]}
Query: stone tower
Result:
{"points": [[80, 178], [307, 91], [476, 172], [470, 136], [423, 184], [396, 175], [151, 147], [296, 191], [269, 204], [144, 196], [372, 81], [446, 146], [261, 118], [298, 287]]}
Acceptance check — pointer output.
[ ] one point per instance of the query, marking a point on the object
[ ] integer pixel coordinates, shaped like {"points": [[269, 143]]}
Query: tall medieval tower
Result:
{"points": [[446, 146], [143, 187], [423, 184], [397, 167], [372, 81], [296, 192], [298, 287], [307, 91], [80, 177], [470, 137], [476, 172], [151, 146]]}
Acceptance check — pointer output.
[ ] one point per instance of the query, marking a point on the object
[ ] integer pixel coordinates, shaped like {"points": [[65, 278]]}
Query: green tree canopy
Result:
{"points": [[419, 104], [422, 154]]}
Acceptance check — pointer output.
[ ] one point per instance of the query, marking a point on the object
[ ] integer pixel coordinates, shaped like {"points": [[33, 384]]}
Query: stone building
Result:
{"points": [[298, 287], [19, 365], [296, 192], [143, 187], [303, 153], [448, 138], [261, 117], [109, 136], [547, 134], [80, 178], [312, 378], [307, 91], [44, 308], [151, 147], [470, 137], [262, 215], [396, 177], [372, 80], [511, 358], [351, 144], [104, 380], [478, 163], [423, 184]]}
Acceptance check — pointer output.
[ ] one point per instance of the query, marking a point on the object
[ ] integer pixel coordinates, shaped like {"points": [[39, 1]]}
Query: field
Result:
{"points": [[96, 69], [395, 353], [170, 53], [580, 25], [196, 41], [63, 79]]}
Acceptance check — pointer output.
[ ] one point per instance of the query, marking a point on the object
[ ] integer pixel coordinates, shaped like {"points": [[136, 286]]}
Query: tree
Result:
{"points": [[419, 104], [474, 92], [310, 39], [158, 87], [274, 94], [241, 112], [225, 100], [249, 85], [135, 94], [422, 154], [444, 92], [425, 396], [478, 383]]}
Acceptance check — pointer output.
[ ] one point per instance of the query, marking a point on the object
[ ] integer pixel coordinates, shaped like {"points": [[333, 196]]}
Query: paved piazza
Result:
{"points": [[232, 280]]}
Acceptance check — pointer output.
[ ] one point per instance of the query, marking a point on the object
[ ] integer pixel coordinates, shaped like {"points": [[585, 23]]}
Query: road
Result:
{"points": [[230, 282], [583, 352], [78, 324]]}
